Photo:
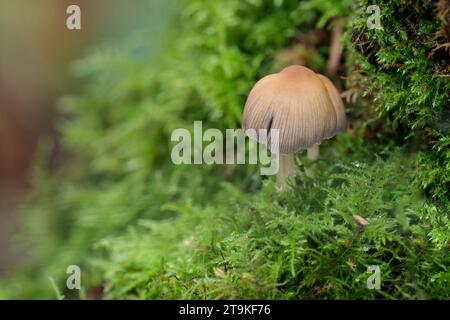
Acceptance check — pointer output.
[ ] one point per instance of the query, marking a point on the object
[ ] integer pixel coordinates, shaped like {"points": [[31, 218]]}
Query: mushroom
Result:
{"points": [[296, 102], [338, 104]]}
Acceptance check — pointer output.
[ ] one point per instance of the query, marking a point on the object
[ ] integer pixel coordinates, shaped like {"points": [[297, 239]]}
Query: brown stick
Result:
{"points": [[334, 58]]}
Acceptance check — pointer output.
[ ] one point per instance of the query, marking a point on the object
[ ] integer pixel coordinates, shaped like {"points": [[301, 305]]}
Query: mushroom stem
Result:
{"points": [[313, 152], [285, 169]]}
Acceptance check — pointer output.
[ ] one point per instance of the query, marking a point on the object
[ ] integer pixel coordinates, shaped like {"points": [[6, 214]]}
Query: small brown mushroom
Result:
{"points": [[338, 104], [296, 102]]}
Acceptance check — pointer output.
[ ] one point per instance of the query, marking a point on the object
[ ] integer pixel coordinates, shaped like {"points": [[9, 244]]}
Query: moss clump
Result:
{"points": [[300, 244], [404, 67]]}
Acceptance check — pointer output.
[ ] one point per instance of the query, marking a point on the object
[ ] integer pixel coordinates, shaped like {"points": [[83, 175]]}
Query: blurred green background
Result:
{"points": [[36, 60]]}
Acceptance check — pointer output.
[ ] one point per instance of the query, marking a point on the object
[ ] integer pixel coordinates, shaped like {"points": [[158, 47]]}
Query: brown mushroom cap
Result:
{"points": [[294, 101], [338, 104]]}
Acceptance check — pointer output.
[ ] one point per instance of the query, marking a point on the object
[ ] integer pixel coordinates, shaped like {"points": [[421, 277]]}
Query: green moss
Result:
{"points": [[303, 243], [403, 69]]}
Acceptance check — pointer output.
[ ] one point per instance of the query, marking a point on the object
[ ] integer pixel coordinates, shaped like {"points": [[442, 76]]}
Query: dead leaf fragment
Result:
{"points": [[351, 264], [360, 220]]}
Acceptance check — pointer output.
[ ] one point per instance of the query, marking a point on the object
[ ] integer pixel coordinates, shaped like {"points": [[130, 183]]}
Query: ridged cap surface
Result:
{"points": [[338, 104], [296, 102]]}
